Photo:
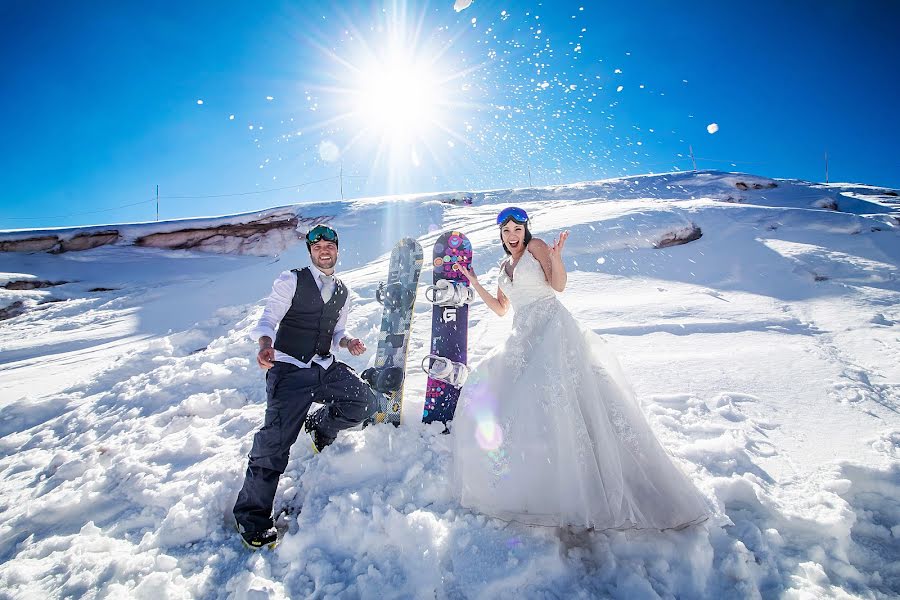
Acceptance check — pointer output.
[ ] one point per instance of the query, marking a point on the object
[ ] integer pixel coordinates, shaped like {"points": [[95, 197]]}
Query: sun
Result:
{"points": [[400, 99], [396, 105]]}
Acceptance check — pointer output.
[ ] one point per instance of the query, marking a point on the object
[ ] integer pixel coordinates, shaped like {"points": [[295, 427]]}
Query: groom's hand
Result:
{"points": [[265, 358], [356, 346]]}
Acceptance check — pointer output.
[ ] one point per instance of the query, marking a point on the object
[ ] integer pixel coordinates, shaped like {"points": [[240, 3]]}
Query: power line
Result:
{"points": [[735, 162], [91, 212], [103, 210], [287, 187], [332, 178]]}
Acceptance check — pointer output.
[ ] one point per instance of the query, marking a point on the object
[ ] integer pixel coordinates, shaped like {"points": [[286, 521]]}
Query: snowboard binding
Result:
{"points": [[449, 293], [446, 370], [384, 379], [395, 296]]}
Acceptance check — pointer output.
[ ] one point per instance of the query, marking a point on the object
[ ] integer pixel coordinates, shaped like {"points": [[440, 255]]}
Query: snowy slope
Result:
{"points": [[764, 354]]}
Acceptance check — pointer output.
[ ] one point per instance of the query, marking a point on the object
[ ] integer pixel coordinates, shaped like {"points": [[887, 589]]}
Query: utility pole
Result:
{"points": [[826, 166], [691, 148], [157, 202], [342, 179], [529, 177]]}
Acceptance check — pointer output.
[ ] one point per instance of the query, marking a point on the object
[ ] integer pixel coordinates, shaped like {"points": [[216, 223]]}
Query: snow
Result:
{"points": [[764, 354], [328, 151]]}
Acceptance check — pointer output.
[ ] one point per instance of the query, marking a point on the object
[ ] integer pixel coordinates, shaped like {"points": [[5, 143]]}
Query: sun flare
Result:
{"points": [[398, 102], [399, 99]]}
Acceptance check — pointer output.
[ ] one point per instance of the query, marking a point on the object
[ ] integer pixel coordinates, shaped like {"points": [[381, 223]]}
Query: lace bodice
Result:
{"points": [[527, 283]]}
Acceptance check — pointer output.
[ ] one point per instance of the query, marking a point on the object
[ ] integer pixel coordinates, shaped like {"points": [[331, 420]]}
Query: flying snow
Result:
{"points": [[328, 151], [712, 128], [461, 5]]}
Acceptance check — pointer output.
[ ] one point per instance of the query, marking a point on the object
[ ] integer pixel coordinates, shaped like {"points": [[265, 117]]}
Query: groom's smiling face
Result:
{"points": [[323, 255]]}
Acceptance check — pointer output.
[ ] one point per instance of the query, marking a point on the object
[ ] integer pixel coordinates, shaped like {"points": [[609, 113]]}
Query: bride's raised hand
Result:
{"points": [[557, 247], [470, 275]]}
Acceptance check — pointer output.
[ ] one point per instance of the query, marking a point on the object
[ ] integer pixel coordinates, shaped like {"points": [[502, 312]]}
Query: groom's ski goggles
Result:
{"points": [[319, 233], [512, 213]]}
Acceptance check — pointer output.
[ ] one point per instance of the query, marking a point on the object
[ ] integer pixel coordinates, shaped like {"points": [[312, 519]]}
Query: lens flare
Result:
{"points": [[488, 433]]}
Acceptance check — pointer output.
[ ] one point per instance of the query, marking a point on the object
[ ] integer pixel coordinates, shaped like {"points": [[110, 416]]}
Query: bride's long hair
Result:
{"points": [[527, 238]]}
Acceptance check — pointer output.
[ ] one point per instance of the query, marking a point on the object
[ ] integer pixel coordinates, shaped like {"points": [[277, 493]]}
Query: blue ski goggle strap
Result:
{"points": [[512, 213], [321, 232]]}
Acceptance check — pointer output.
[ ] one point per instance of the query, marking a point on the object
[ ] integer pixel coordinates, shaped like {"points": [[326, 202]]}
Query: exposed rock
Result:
{"points": [[103, 289], [895, 194], [31, 284], [36, 244], [266, 235], [86, 241], [826, 203], [458, 199], [51, 301], [681, 236], [57, 245], [13, 310], [240, 236], [756, 186]]}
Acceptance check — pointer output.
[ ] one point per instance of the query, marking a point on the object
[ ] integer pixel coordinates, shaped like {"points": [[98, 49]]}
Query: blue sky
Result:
{"points": [[100, 100]]}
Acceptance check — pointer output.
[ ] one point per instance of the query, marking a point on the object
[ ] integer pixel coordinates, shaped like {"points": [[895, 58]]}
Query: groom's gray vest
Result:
{"points": [[308, 325]]}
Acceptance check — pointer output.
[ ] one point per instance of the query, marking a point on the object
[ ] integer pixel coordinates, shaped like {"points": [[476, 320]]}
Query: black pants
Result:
{"points": [[290, 391]]}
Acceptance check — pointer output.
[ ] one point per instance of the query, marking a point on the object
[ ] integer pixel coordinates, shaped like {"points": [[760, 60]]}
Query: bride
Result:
{"points": [[547, 430]]}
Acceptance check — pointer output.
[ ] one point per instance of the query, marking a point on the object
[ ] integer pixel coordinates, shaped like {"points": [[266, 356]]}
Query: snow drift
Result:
{"points": [[763, 352]]}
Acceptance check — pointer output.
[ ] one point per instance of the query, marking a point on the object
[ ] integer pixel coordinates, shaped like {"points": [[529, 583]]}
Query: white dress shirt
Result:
{"points": [[277, 305]]}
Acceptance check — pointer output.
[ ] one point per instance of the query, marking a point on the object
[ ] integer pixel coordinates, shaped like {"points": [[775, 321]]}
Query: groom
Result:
{"points": [[309, 307]]}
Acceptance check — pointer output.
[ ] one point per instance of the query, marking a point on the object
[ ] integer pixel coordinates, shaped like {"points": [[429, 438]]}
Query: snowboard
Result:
{"points": [[398, 295], [449, 325]]}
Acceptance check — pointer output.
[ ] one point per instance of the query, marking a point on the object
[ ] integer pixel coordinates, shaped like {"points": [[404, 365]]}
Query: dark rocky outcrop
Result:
{"points": [[13, 310], [755, 186], [42, 243], [31, 284], [266, 234], [57, 245], [681, 236], [86, 241], [186, 239], [826, 203]]}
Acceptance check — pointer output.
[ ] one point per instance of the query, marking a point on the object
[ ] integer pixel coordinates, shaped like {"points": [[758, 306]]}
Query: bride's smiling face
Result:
{"points": [[513, 235]]}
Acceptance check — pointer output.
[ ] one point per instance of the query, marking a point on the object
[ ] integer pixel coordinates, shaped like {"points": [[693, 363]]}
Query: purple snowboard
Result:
{"points": [[449, 325]]}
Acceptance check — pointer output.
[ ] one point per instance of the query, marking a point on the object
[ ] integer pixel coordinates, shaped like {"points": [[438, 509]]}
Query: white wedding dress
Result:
{"points": [[547, 430]]}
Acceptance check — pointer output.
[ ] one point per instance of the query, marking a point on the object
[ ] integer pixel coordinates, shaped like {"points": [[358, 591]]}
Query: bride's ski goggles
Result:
{"points": [[319, 233], [512, 213]]}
